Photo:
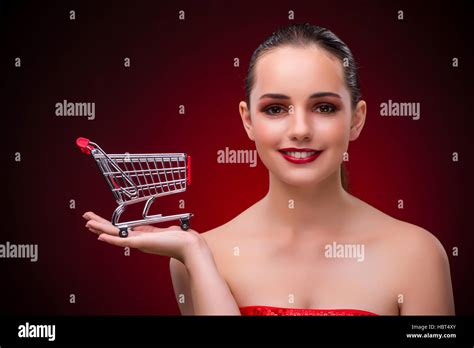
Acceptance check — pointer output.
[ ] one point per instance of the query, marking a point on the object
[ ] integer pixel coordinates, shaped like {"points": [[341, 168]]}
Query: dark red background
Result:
{"points": [[191, 63]]}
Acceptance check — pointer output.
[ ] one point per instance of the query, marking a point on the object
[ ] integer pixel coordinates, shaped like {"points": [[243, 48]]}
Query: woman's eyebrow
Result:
{"points": [[312, 96]]}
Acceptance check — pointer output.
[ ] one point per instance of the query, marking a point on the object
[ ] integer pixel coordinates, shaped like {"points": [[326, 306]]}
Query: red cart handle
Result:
{"points": [[189, 171], [84, 145]]}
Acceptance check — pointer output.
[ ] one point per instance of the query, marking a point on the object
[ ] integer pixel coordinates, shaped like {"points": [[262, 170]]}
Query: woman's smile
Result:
{"points": [[300, 156]]}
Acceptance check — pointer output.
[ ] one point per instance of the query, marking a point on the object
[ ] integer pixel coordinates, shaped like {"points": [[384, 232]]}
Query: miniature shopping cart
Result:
{"points": [[135, 178]]}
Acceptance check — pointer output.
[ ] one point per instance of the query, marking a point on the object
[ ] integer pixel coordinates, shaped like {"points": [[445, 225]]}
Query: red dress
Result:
{"points": [[269, 310]]}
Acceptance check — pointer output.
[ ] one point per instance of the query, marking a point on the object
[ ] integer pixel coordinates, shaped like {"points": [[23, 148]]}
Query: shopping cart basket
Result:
{"points": [[135, 178]]}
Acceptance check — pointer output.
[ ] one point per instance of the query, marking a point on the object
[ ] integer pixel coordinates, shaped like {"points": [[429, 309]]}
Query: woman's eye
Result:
{"points": [[273, 110], [326, 108]]}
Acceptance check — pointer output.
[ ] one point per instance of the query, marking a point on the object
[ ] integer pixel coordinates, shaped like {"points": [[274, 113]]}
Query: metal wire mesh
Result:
{"points": [[143, 175]]}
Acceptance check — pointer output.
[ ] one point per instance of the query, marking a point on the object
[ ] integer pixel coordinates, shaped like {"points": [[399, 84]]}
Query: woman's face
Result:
{"points": [[309, 108]]}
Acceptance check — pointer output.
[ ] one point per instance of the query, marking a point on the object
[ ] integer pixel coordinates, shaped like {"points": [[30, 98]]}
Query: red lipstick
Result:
{"points": [[286, 154]]}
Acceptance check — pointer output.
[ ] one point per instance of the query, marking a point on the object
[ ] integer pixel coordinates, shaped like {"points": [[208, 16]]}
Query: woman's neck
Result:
{"points": [[323, 207]]}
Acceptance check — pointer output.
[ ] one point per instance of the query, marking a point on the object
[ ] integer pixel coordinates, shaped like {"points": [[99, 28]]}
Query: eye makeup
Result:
{"points": [[276, 109]]}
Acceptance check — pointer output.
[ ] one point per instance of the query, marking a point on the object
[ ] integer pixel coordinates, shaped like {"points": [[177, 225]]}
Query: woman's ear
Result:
{"points": [[358, 120], [246, 119]]}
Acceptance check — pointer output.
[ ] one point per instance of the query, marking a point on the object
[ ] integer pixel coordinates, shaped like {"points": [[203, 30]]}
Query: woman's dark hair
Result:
{"points": [[303, 35]]}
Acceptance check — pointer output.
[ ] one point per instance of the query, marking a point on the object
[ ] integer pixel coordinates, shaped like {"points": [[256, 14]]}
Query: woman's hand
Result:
{"points": [[189, 247], [171, 241]]}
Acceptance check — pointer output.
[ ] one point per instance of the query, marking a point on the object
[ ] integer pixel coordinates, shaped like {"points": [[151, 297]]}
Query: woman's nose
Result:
{"points": [[300, 126]]}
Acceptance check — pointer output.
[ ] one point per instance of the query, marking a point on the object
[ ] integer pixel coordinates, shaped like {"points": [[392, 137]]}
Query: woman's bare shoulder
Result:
{"points": [[417, 246], [215, 237], [406, 241], [222, 237], [414, 262]]}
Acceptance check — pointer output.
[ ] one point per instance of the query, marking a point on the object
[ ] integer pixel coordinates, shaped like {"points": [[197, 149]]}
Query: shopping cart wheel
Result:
{"points": [[123, 232], [184, 224]]}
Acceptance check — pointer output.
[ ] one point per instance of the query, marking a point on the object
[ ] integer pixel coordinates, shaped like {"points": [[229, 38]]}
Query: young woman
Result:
{"points": [[308, 247]]}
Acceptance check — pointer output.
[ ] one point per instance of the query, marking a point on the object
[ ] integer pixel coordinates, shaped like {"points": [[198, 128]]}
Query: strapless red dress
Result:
{"points": [[269, 310]]}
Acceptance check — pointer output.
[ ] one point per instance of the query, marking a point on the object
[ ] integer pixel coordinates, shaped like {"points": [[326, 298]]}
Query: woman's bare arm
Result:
{"points": [[198, 286], [427, 289], [182, 290], [205, 291]]}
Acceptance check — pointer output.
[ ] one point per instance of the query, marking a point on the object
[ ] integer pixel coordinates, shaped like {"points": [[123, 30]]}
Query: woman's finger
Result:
{"points": [[92, 216], [144, 228], [102, 227], [131, 232], [94, 230], [130, 241]]}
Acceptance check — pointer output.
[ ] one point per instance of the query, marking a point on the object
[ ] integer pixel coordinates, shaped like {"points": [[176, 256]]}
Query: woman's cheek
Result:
{"points": [[333, 132], [268, 138], [268, 133], [265, 155]]}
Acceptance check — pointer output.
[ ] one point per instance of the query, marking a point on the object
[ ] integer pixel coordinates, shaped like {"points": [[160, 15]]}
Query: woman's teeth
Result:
{"points": [[298, 154]]}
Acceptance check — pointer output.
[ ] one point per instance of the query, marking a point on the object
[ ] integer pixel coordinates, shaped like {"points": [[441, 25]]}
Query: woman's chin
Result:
{"points": [[301, 180]]}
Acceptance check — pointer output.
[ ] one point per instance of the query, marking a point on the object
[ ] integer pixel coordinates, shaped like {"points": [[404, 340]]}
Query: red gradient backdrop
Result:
{"points": [[191, 63]]}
